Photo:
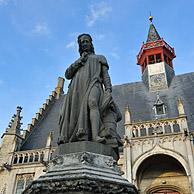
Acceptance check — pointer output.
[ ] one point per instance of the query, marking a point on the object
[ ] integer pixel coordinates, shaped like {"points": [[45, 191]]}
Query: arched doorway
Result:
{"points": [[161, 174]]}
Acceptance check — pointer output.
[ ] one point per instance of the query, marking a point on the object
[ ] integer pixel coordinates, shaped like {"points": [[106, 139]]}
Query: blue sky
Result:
{"points": [[38, 42]]}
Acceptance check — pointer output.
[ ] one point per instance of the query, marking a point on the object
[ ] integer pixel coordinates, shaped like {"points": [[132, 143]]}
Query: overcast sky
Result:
{"points": [[38, 42]]}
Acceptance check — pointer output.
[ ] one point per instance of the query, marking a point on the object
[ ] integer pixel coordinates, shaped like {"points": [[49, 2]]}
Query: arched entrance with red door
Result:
{"points": [[162, 174]]}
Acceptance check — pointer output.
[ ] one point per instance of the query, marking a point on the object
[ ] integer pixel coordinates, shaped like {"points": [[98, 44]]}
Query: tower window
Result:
{"points": [[145, 62], [158, 58], [165, 58], [151, 59]]}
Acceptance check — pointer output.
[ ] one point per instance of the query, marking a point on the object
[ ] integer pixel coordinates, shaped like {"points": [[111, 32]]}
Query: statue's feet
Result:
{"points": [[99, 139]]}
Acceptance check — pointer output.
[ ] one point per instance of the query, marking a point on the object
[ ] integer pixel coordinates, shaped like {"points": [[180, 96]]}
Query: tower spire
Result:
{"points": [[12, 138], [155, 58], [150, 18], [152, 33], [15, 123]]}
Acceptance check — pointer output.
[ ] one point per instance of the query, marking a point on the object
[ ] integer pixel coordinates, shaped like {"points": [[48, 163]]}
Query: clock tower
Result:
{"points": [[155, 58]]}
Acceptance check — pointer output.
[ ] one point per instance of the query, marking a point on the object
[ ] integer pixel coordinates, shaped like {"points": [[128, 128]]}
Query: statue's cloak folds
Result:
{"points": [[74, 118]]}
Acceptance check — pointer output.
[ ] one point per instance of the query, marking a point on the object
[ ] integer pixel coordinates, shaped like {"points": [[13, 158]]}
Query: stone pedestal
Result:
{"points": [[86, 146], [82, 172]]}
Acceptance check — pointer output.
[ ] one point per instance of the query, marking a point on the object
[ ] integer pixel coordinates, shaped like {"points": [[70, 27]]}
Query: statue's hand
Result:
{"points": [[79, 62], [84, 57]]}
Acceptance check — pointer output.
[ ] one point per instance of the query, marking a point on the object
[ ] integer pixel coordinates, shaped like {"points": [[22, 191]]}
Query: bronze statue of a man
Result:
{"points": [[89, 112]]}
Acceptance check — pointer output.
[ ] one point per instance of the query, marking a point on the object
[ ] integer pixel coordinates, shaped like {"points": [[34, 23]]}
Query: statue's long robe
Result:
{"points": [[74, 118]]}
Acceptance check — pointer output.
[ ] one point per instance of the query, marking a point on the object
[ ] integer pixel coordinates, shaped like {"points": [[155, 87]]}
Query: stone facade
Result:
{"points": [[23, 165], [19, 167], [158, 152], [157, 155], [148, 146], [162, 157]]}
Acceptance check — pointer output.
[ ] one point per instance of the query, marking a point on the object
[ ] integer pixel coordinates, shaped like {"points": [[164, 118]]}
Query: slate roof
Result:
{"points": [[153, 34], [141, 101], [136, 96], [49, 123]]}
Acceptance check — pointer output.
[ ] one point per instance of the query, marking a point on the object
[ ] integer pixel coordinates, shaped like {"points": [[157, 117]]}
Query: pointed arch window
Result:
{"points": [[176, 127], [42, 156], [36, 157], [150, 130], [20, 186], [167, 128], [21, 158], [22, 181], [31, 157], [26, 158], [15, 161]]}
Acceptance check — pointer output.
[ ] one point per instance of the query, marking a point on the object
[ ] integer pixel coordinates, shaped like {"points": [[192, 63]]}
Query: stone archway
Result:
{"points": [[159, 174], [179, 158]]}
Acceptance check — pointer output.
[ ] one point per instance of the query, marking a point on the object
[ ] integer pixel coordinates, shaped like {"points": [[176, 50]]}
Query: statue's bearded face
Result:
{"points": [[85, 44]]}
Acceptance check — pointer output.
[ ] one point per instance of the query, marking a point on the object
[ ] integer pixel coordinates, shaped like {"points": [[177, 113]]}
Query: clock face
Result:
{"points": [[157, 80]]}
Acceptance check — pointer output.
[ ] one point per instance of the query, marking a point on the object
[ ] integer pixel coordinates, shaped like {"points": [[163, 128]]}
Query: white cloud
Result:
{"points": [[98, 11], [4, 2], [99, 36], [41, 28], [72, 44], [115, 55], [47, 86]]}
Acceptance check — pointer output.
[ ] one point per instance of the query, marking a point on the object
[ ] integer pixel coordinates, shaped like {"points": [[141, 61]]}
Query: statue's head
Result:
{"points": [[85, 43]]}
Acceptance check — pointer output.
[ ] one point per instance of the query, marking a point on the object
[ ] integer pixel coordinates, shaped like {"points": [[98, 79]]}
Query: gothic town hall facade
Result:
{"points": [[157, 129]]}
